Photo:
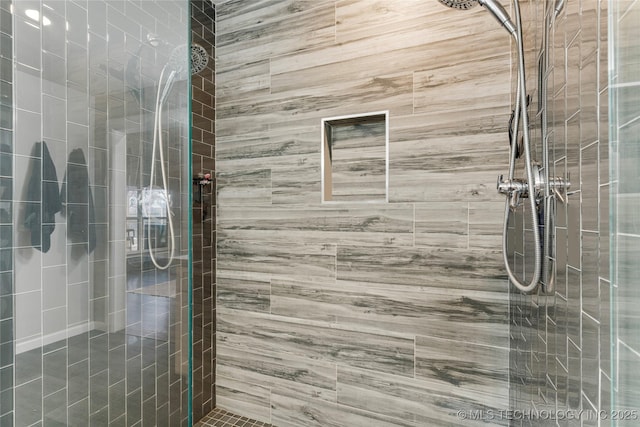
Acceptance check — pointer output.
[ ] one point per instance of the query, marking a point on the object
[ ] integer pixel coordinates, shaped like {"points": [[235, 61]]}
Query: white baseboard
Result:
{"points": [[40, 340]]}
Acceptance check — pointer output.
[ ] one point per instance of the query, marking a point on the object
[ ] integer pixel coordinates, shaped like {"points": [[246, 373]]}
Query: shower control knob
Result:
{"points": [[512, 185]]}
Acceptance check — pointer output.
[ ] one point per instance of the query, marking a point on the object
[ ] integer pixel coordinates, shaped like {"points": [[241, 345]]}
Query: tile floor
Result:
{"points": [[87, 368], [221, 418]]}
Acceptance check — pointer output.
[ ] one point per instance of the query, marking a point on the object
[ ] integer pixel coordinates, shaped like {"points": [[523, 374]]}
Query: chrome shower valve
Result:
{"points": [[515, 189]]}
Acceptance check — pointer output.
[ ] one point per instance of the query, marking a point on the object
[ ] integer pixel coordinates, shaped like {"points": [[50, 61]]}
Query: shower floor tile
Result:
{"points": [[221, 418]]}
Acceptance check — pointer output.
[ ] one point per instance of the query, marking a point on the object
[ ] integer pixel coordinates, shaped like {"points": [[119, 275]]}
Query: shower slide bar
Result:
{"points": [[538, 187]]}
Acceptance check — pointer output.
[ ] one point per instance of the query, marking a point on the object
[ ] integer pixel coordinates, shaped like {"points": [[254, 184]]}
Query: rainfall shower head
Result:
{"points": [[199, 58], [492, 6], [459, 4]]}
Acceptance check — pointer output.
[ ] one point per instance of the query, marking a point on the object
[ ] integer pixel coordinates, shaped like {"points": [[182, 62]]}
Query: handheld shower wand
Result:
{"points": [[514, 188], [175, 69]]}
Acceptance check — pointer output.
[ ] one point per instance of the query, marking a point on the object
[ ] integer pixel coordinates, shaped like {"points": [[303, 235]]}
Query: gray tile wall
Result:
{"points": [[625, 189], [7, 362], [360, 313], [560, 344]]}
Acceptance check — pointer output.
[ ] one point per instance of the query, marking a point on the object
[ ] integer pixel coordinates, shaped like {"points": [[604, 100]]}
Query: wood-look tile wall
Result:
{"points": [[560, 344], [360, 313], [203, 140]]}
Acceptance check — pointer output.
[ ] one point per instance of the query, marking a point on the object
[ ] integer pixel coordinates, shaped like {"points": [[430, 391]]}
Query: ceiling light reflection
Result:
{"points": [[35, 16]]}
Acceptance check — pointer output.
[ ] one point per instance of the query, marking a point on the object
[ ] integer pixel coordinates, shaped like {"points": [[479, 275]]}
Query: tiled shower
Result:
{"points": [[350, 312], [287, 304]]}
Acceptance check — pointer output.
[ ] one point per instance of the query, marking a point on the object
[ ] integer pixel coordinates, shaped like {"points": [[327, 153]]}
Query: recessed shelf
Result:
{"points": [[355, 158]]}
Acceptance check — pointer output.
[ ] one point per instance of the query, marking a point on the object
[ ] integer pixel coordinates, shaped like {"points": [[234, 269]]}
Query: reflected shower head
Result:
{"points": [[492, 6], [176, 65], [197, 55]]}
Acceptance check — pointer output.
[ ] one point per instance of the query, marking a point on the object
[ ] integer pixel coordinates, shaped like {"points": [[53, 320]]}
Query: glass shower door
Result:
{"points": [[624, 94], [101, 274]]}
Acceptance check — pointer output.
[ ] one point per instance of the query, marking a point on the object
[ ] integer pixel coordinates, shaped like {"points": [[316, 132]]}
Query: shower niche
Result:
{"points": [[355, 158]]}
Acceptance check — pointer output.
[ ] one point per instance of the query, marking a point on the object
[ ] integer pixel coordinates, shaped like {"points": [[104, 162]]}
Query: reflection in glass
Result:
{"points": [[101, 334]]}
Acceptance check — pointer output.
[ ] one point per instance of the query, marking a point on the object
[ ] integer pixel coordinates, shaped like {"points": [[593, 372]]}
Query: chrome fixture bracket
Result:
{"points": [[518, 188]]}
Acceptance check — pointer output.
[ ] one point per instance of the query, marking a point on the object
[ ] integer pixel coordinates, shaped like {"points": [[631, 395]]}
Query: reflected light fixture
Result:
{"points": [[35, 15]]}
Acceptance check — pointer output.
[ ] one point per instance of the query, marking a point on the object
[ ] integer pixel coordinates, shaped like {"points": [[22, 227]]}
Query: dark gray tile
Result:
{"points": [[27, 409], [54, 371], [55, 409], [79, 413], [149, 414], [134, 374], [28, 366], [6, 377], [78, 348], [117, 364], [99, 418], [117, 400], [78, 383], [148, 382], [99, 393], [98, 353], [6, 403], [7, 418], [134, 407]]}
